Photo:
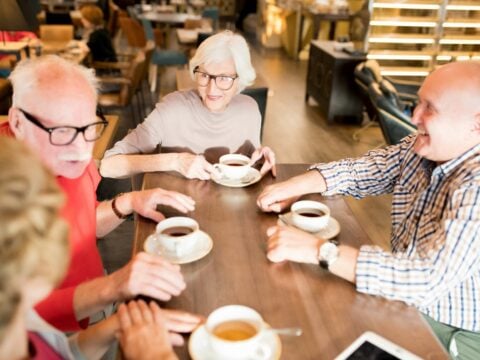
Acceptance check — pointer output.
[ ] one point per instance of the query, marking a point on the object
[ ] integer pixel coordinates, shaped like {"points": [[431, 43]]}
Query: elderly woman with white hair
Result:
{"points": [[190, 130]]}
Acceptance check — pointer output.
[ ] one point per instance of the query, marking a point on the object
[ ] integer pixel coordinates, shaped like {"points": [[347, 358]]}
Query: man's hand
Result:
{"points": [[194, 166], [269, 164], [279, 196], [143, 332], [289, 243], [145, 202], [148, 275]]}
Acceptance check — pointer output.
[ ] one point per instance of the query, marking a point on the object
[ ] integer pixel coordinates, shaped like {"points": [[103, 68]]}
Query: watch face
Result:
{"points": [[328, 252]]}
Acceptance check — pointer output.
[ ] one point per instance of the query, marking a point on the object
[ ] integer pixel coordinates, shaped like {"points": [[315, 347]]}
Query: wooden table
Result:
{"points": [[102, 144], [328, 309], [14, 48], [168, 18], [190, 36]]}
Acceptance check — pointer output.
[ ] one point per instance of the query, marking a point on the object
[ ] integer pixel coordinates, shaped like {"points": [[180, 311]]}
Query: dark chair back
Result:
{"points": [[395, 124], [403, 94], [260, 96]]}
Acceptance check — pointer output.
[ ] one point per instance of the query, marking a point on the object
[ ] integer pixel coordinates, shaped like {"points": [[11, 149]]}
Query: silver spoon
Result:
{"points": [[293, 331]]}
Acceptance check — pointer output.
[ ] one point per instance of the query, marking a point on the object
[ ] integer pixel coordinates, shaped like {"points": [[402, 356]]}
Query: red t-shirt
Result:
{"points": [[39, 349], [85, 261]]}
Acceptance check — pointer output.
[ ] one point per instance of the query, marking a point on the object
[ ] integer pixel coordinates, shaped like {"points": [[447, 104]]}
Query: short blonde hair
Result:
{"points": [[223, 46], [93, 14], [33, 240], [30, 75]]}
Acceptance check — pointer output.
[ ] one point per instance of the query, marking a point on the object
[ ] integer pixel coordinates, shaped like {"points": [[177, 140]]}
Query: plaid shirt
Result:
{"points": [[435, 259]]}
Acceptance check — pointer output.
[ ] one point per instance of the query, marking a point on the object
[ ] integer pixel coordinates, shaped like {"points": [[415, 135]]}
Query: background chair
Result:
{"points": [[402, 93], [56, 33], [129, 82], [161, 57], [394, 122], [212, 13]]}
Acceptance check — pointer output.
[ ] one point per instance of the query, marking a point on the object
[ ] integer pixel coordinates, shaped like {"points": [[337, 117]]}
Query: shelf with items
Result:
{"points": [[413, 37]]}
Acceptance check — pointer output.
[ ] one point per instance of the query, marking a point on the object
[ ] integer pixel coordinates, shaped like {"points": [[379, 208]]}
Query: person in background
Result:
{"points": [[96, 36], [33, 258], [7, 62], [434, 175], [194, 128], [54, 112]]}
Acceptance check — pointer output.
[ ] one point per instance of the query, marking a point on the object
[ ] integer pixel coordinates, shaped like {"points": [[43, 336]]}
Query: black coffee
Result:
{"points": [[311, 212], [234, 163], [177, 231]]}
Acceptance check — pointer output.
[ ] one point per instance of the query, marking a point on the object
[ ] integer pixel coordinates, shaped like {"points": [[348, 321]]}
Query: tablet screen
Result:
{"points": [[369, 351]]}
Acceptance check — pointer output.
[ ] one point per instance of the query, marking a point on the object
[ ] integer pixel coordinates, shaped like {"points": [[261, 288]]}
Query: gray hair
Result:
{"points": [[223, 46], [30, 74]]}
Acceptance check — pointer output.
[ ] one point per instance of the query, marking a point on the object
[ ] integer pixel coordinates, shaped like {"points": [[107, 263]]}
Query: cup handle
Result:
{"points": [[219, 168]]}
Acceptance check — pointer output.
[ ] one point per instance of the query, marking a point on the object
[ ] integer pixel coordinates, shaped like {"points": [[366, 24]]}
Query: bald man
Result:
{"points": [[434, 177]]}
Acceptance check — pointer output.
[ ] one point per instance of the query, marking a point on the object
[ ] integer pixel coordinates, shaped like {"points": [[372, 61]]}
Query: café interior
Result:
{"points": [[316, 61]]}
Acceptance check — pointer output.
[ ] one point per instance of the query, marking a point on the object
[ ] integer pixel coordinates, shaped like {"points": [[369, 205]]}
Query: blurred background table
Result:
{"points": [[330, 311]]}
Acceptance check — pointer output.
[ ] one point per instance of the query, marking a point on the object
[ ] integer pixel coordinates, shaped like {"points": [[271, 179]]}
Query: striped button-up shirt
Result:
{"points": [[434, 263]]}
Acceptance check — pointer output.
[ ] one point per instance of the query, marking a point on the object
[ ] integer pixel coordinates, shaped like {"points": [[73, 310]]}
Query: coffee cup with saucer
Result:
{"points": [[313, 217], [178, 234], [233, 166], [308, 215], [179, 240], [234, 332]]}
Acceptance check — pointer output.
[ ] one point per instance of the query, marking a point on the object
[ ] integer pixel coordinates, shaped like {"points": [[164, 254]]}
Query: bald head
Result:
{"points": [[448, 112]]}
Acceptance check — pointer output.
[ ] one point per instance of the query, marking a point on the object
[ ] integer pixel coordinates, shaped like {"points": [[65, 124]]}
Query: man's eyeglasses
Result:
{"points": [[65, 135], [223, 82]]}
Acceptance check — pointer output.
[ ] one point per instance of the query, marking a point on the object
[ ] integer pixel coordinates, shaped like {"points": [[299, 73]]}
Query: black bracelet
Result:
{"points": [[115, 209]]}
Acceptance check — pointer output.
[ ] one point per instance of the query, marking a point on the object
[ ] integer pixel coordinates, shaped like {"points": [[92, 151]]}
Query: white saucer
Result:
{"points": [[329, 232], [199, 346], [203, 247], [252, 177]]}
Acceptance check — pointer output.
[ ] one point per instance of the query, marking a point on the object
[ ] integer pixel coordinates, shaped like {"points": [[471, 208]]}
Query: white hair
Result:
{"points": [[30, 74], [224, 46]]}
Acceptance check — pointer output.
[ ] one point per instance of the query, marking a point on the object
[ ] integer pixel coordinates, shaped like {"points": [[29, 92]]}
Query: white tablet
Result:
{"points": [[372, 346]]}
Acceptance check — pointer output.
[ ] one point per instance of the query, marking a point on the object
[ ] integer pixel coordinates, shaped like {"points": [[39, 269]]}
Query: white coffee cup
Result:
{"points": [[233, 166], [235, 332], [177, 235], [311, 216]]}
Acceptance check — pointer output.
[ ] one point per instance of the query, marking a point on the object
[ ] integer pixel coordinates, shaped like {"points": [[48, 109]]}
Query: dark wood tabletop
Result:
{"points": [[328, 309]]}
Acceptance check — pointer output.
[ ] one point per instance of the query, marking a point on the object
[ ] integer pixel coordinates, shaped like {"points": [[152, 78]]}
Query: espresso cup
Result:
{"points": [[233, 166], [178, 235], [235, 332], [311, 216]]}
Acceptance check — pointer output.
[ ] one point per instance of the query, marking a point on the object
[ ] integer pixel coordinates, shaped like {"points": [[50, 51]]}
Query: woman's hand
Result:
{"points": [[269, 164], [194, 166]]}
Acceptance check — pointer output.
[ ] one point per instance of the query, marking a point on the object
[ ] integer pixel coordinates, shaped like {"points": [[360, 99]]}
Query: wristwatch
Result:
{"points": [[327, 254]]}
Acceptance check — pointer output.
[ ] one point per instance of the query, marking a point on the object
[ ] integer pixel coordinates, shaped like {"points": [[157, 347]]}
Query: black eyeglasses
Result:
{"points": [[223, 82], [65, 135]]}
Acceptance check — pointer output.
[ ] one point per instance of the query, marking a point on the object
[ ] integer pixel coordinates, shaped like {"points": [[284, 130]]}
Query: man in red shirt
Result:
{"points": [[54, 112]]}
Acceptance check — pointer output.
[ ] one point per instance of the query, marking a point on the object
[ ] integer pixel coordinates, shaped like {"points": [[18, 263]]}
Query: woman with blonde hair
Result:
{"points": [[33, 259]]}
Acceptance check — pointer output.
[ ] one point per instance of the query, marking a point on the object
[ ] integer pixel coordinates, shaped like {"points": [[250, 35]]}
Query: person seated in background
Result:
{"points": [[54, 112], [96, 36], [7, 62], [194, 128], [434, 176], [33, 259]]}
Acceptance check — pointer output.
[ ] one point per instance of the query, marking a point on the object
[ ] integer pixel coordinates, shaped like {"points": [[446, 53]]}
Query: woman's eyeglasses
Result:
{"points": [[223, 82]]}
